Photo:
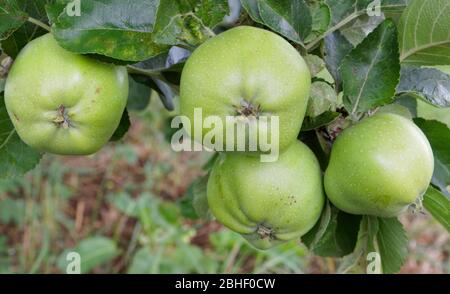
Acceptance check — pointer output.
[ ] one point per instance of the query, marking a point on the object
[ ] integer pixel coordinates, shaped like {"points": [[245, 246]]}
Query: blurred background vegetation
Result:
{"points": [[128, 209]]}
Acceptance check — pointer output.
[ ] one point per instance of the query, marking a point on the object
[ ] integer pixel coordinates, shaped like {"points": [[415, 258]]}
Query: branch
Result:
{"points": [[39, 23]]}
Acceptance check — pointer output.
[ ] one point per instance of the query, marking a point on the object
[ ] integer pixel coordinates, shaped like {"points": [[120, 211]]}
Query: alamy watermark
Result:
{"points": [[73, 263], [74, 8], [373, 263], [230, 133]]}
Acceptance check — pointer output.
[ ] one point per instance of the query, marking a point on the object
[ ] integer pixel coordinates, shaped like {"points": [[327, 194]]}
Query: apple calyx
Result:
{"points": [[247, 109], [62, 117], [265, 232]]}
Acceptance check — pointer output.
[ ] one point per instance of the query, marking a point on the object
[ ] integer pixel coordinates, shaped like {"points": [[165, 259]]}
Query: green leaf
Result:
{"points": [[438, 135], [392, 244], [169, 64], [345, 11], [55, 8], [16, 158], [184, 29], [322, 98], [194, 204], [251, 6], [166, 92], [200, 200], [438, 205], [321, 19], [371, 71], [139, 95], [384, 236], [94, 252], [315, 64], [424, 33], [12, 211], [336, 48], [291, 18], [326, 118], [428, 84], [143, 262], [27, 31], [335, 234], [356, 31], [121, 29], [188, 23], [123, 127], [186, 207], [11, 18]]}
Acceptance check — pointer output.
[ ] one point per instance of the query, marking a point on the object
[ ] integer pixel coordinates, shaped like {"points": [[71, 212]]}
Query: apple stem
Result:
{"points": [[39, 23]]}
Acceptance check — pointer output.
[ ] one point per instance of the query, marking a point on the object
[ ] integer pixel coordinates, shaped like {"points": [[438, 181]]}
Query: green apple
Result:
{"points": [[379, 166], [249, 74], [430, 112], [267, 202], [64, 103]]}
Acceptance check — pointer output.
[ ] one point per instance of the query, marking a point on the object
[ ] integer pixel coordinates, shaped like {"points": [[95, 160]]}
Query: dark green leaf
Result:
{"points": [[123, 127], [165, 91], [315, 64], [194, 204], [371, 71], [55, 8], [408, 102], [121, 29], [184, 29], [322, 98], [344, 11], [336, 48], [335, 234], [315, 142], [28, 31], [11, 18], [166, 94], [392, 244], [251, 6], [424, 33], [211, 12], [429, 84], [438, 205], [188, 23], [16, 158], [139, 95], [290, 18], [311, 123], [321, 19], [438, 135], [356, 30], [186, 204]]}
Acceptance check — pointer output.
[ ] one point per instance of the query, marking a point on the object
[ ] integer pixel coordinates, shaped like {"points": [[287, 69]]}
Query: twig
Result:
{"points": [[39, 23]]}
